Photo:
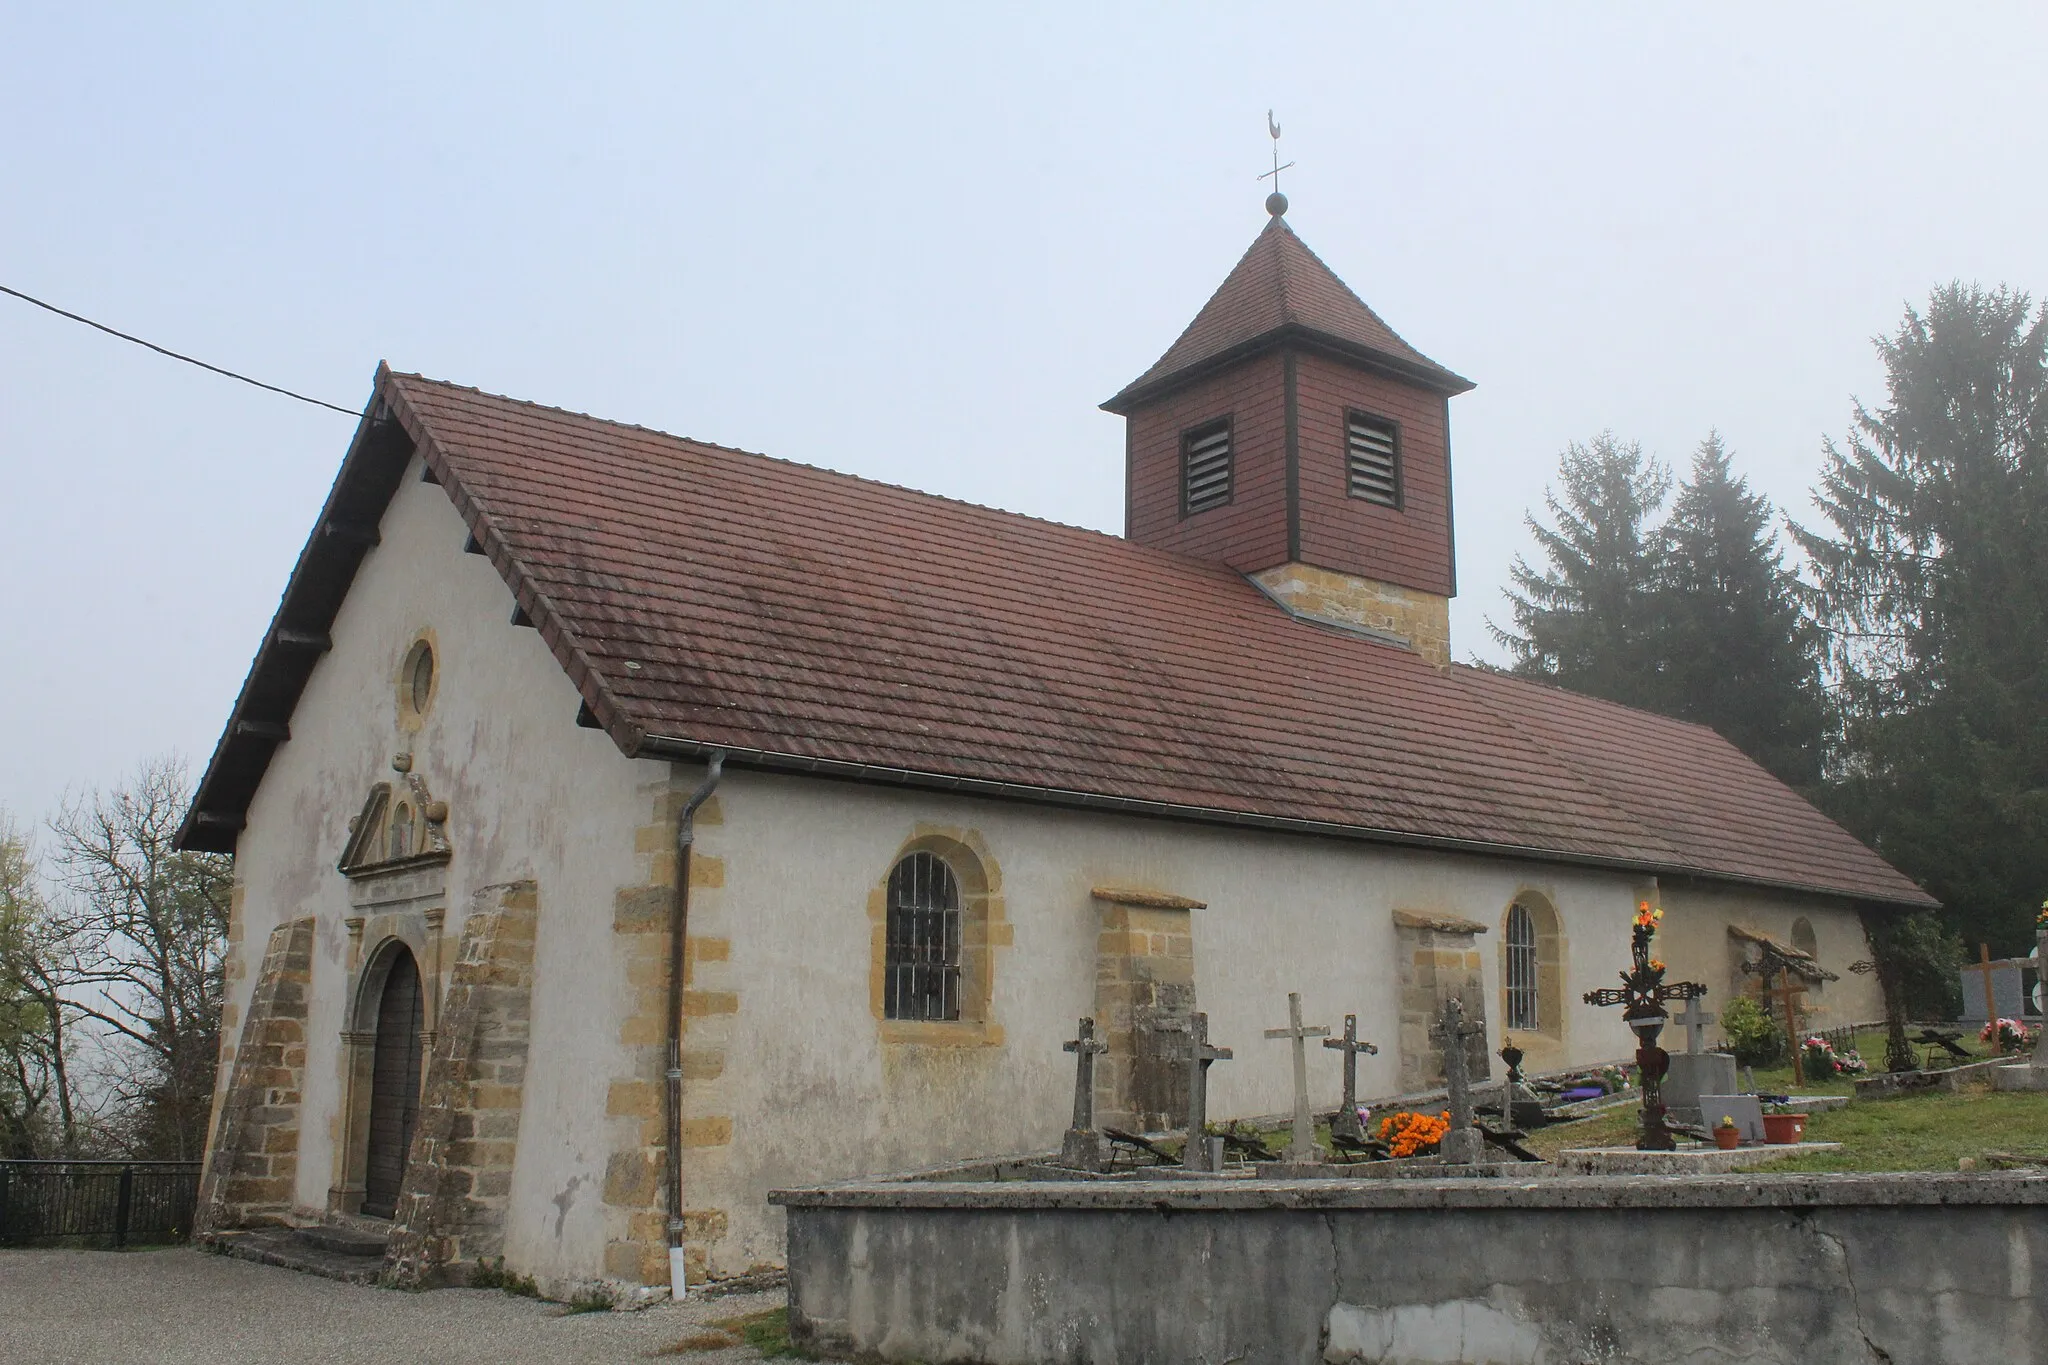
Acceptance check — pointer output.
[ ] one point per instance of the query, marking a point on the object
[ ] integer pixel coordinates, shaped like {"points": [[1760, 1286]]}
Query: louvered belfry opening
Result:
{"points": [[1373, 459], [1205, 467], [1521, 950], [923, 950], [394, 1085]]}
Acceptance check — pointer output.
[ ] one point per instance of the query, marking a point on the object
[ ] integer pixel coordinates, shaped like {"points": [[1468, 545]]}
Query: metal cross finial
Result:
{"points": [[1276, 202]]}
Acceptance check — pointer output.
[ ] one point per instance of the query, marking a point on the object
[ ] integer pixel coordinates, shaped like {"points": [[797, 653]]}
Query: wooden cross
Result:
{"points": [[1303, 1148], [1984, 965], [1694, 1021], [1085, 1046], [1200, 1055], [1789, 994], [1346, 1124]]}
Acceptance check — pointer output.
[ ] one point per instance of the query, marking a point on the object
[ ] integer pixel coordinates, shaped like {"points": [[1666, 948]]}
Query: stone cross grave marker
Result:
{"points": [[1345, 1124], [1200, 1054], [1303, 1148], [1694, 1021], [1083, 1146], [1461, 1145]]}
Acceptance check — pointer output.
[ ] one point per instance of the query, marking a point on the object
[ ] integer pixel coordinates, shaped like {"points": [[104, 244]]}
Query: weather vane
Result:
{"points": [[1276, 202]]}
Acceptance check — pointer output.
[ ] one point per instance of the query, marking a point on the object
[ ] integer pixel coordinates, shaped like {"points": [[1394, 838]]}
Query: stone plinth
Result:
{"points": [[2020, 1077], [1692, 1075]]}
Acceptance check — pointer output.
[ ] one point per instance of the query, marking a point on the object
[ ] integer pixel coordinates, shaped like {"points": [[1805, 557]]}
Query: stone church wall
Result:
{"points": [[815, 1086], [531, 798]]}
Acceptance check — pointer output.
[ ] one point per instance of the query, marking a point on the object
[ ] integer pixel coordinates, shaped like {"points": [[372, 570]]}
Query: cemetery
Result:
{"points": [[1626, 1213]]}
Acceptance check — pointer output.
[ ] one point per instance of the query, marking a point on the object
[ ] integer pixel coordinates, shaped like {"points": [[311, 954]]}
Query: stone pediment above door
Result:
{"points": [[401, 830]]}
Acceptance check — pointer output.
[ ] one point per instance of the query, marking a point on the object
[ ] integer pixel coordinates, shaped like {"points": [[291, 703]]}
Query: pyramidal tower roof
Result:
{"points": [[1281, 291]]}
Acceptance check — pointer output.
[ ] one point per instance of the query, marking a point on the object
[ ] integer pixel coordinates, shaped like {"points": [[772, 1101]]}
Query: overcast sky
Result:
{"points": [[918, 247]]}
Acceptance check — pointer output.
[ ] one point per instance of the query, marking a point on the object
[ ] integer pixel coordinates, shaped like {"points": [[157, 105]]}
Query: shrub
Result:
{"points": [[1752, 1037]]}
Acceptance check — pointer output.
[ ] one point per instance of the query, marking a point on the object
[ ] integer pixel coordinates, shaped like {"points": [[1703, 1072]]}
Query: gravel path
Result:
{"points": [[175, 1307]]}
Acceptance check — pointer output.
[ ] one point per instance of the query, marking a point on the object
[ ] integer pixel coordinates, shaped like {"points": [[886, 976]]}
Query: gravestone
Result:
{"points": [[1695, 1071], [1082, 1147], [1462, 1145], [2004, 978], [1303, 1147], [1344, 1123], [1746, 1110], [1195, 1155]]}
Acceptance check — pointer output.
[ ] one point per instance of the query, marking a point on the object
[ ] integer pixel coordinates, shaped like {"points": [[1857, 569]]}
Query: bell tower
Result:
{"points": [[1292, 435]]}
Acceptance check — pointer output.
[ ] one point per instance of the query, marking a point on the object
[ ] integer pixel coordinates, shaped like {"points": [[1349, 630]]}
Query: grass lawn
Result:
{"points": [[1918, 1133], [1777, 1080]]}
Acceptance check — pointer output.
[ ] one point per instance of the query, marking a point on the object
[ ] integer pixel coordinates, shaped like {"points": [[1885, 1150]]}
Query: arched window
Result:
{"points": [[1524, 1004], [1806, 941], [1532, 987], [922, 963], [401, 833]]}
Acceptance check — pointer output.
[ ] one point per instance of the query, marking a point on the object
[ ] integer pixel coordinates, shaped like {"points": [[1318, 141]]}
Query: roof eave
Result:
{"points": [[386, 439], [680, 749], [1150, 387]]}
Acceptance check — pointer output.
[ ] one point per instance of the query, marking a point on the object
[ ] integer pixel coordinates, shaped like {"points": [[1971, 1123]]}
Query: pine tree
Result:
{"points": [[1932, 579], [1736, 652], [1587, 620]]}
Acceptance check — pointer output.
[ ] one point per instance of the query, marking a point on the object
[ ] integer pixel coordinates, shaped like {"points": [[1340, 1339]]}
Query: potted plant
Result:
{"points": [[1783, 1128], [1726, 1135]]}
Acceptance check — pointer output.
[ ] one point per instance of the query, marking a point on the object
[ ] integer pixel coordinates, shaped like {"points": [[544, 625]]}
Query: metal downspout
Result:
{"points": [[679, 928]]}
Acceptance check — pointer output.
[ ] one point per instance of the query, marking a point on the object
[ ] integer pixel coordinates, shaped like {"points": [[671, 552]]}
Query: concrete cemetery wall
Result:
{"points": [[1828, 1270]]}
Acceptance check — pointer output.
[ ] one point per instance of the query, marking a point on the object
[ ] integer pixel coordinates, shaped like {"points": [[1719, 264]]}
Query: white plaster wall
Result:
{"points": [[530, 795], [814, 1092], [1697, 916]]}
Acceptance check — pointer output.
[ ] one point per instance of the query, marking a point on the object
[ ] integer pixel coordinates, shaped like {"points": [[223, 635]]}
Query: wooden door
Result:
{"points": [[394, 1086]]}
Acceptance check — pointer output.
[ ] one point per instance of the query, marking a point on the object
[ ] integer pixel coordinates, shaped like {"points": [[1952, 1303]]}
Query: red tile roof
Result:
{"points": [[1281, 289], [807, 620]]}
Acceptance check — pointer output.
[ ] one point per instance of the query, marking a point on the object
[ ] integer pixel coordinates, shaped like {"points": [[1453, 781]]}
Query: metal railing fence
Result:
{"points": [[113, 1201]]}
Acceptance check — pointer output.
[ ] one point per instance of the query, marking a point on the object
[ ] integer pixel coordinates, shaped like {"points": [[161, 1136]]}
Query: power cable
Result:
{"points": [[189, 360]]}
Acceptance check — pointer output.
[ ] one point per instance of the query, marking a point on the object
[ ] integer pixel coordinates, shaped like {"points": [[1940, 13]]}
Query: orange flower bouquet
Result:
{"points": [[1410, 1134]]}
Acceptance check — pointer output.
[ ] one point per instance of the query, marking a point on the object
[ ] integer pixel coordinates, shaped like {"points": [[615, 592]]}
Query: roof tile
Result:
{"points": [[786, 609]]}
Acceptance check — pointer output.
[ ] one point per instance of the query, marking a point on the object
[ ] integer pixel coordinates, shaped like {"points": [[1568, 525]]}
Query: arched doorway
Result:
{"points": [[394, 1084]]}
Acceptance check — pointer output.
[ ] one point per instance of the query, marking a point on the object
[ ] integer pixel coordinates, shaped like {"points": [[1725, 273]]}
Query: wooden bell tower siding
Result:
{"points": [[1289, 358]]}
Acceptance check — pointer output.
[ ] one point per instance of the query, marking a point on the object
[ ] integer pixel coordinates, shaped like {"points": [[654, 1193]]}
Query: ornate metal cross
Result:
{"points": [[1345, 1123], [1303, 1148], [1642, 994]]}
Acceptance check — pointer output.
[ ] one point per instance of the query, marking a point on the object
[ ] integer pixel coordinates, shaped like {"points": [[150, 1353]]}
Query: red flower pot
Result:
{"points": [[1727, 1139], [1784, 1129]]}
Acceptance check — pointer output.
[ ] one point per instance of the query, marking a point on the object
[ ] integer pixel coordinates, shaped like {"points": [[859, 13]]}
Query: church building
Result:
{"points": [[626, 826]]}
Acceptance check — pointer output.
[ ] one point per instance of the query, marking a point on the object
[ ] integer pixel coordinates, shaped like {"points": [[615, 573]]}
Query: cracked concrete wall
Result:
{"points": [[1850, 1285]]}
